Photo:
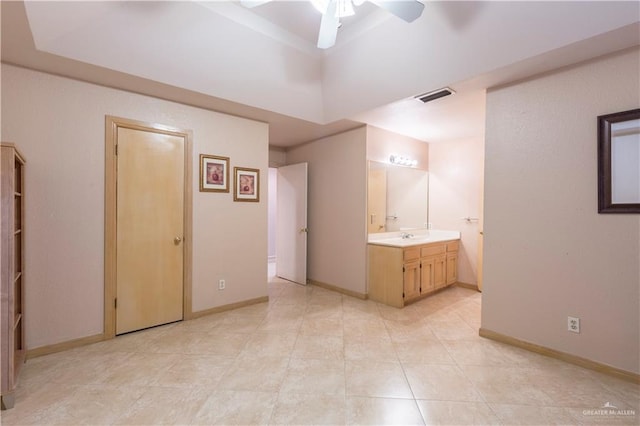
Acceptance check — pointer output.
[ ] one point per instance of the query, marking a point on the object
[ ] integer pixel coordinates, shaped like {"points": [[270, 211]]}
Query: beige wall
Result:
{"points": [[455, 191], [277, 157], [382, 143], [337, 208], [548, 253], [59, 125]]}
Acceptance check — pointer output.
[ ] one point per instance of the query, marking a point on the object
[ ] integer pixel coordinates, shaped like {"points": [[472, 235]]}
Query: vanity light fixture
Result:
{"points": [[402, 160]]}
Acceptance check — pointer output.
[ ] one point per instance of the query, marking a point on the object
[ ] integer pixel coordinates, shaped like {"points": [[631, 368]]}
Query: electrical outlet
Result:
{"points": [[573, 324], [221, 285]]}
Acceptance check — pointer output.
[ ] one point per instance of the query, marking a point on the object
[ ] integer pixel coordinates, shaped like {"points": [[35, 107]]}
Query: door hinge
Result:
{"points": [[115, 303], [403, 269], [421, 266], [403, 295], [116, 149]]}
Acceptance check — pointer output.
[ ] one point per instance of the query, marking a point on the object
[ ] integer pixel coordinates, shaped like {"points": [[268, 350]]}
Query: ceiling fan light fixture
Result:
{"points": [[333, 10], [343, 7]]}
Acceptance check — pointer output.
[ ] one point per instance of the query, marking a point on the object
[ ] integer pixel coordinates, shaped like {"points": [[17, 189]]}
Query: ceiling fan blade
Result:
{"points": [[407, 10], [253, 3], [328, 27]]}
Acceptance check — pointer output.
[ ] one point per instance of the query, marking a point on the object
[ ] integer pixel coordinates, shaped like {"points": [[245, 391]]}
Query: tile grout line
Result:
{"points": [[459, 367], [406, 378]]}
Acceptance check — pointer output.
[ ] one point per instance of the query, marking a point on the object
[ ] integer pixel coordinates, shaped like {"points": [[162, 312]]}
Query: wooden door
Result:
{"points": [[440, 271], [411, 279], [150, 224], [426, 275], [291, 223], [480, 247], [153, 161], [452, 268]]}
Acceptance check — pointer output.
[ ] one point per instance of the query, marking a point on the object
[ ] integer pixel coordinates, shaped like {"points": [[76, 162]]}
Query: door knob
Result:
{"points": [[303, 229], [177, 240]]}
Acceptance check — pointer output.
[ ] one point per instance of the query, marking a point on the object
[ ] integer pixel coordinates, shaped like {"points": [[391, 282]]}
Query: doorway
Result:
{"points": [[147, 225], [288, 222]]}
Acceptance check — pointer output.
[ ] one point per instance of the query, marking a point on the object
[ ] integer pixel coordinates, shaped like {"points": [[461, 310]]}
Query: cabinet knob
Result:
{"points": [[177, 240], [303, 230]]}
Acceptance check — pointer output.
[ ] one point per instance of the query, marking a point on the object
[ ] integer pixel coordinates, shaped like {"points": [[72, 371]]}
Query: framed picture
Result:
{"points": [[619, 162], [247, 184], [214, 173]]}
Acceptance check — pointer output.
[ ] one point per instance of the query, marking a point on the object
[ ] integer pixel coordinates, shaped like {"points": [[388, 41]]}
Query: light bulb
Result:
{"points": [[402, 161], [343, 7]]}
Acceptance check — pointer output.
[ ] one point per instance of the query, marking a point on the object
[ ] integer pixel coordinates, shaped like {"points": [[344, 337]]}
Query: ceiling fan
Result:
{"points": [[333, 10]]}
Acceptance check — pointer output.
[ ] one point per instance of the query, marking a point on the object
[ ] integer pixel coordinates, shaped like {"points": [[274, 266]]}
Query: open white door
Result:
{"points": [[291, 233]]}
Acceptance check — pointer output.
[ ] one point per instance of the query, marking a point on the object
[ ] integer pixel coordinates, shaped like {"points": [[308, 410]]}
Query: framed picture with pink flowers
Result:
{"points": [[247, 184], [214, 173]]}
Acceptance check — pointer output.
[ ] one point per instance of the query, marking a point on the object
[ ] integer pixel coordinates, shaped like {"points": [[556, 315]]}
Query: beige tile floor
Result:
{"points": [[312, 356]]}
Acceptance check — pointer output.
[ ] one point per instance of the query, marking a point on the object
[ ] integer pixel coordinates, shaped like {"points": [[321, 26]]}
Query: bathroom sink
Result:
{"points": [[405, 242], [395, 240]]}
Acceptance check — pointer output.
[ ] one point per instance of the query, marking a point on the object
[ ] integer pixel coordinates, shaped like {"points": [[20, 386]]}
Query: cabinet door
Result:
{"points": [[440, 271], [411, 272], [452, 268], [427, 270]]}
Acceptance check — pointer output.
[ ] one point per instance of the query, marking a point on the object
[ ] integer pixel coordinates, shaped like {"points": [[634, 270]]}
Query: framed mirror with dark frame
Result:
{"points": [[619, 162]]}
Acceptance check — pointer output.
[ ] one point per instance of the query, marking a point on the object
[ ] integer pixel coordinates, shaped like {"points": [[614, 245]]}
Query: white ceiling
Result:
{"points": [[262, 63]]}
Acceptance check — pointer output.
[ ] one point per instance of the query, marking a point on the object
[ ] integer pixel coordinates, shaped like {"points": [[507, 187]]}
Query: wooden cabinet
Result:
{"points": [[12, 340], [427, 275], [411, 282], [400, 275], [434, 263], [452, 262]]}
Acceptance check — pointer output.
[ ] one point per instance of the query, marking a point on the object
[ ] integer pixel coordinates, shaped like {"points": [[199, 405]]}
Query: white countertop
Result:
{"points": [[418, 237]]}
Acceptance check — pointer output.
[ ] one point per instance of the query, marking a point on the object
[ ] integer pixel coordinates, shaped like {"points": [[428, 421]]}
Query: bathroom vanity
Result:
{"points": [[405, 267]]}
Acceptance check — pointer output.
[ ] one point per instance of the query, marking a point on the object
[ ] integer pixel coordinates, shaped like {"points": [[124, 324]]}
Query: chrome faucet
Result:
{"points": [[405, 235]]}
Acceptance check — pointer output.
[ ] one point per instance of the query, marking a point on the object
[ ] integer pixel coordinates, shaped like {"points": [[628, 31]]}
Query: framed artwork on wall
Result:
{"points": [[247, 184], [214, 173]]}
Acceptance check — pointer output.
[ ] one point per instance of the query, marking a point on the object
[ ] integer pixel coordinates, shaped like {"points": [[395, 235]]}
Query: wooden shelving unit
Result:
{"points": [[12, 339]]}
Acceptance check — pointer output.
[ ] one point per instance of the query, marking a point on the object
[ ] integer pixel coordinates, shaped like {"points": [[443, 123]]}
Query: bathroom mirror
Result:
{"points": [[619, 162], [397, 198]]}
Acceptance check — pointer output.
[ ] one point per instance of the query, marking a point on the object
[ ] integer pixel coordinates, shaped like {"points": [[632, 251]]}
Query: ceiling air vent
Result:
{"points": [[436, 94]]}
